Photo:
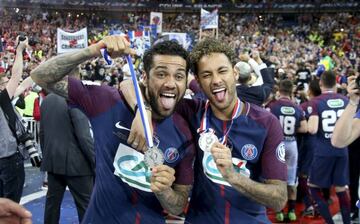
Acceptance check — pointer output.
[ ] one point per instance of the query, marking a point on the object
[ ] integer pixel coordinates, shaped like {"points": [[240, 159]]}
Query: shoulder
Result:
{"points": [[260, 115]]}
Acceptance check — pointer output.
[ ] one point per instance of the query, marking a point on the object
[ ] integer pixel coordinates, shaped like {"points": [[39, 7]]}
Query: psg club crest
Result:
{"points": [[171, 155], [249, 152]]}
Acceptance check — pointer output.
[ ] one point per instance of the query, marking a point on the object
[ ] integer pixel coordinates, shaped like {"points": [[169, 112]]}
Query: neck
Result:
{"points": [[225, 114], [285, 96], [324, 90]]}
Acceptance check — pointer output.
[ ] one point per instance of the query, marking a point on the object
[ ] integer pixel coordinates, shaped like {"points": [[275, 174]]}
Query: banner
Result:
{"points": [[156, 18], [182, 38], [69, 42], [209, 20]]}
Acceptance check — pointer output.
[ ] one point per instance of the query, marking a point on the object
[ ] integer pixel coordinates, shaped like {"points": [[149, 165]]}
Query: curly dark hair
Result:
{"points": [[167, 47], [208, 46]]}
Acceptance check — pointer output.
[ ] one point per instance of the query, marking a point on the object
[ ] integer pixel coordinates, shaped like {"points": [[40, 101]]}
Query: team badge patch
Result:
{"points": [[171, 155], [249, 152], [309, 109], [280, 152]]}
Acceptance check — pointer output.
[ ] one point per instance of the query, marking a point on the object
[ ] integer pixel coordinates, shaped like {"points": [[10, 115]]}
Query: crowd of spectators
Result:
{"points": [[286, 40]]}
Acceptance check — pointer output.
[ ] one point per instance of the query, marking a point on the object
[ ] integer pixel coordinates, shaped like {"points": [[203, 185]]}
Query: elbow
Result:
{"points": [[312, 131], [336, 142]]}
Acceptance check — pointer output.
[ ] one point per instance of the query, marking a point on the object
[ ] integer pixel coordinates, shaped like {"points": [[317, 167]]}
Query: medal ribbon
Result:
{"points": [[139, 98], [205, 121], [140, 103]]}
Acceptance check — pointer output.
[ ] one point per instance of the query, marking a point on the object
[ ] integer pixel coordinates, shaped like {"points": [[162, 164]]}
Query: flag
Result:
{"points": [[140, 41], [209, 20], [156, 19]]}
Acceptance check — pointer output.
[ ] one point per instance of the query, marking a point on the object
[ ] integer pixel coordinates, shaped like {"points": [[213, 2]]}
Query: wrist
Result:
{"points": [[353, 102]]}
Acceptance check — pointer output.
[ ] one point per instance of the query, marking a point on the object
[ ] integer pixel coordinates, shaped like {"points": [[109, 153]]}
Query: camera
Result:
{"points": [[32, 41], [26, 140]]}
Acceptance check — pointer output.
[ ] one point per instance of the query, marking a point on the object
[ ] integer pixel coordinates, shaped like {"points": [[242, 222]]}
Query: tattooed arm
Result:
{"points": [[50, 75], [271, 193], [172, 197]]}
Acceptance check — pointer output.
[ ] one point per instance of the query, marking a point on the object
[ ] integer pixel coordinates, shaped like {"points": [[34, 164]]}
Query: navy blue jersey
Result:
{"points": [[328, 107], [258, 152], [289, 114], [357, 114], [126, 198]]}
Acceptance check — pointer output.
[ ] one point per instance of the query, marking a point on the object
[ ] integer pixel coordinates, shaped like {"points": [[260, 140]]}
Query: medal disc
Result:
{"points": [[153, 157], [206, 140]]}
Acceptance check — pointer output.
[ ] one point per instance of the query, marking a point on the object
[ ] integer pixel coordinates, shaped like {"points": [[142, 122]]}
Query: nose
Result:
{"points": [[216, 79], [170, 82]]}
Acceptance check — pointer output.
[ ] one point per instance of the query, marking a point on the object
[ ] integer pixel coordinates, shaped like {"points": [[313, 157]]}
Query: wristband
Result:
{"points": [[147, 107]]}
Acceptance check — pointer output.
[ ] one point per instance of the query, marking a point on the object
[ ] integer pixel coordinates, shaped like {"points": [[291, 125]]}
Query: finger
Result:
{"points": [[110, 45], [18, 210], [159, 186], [223, 162], [120, 45], [142, 145], [131, 137], [154, 188], [161, 168], [26, 221], [135, 143], [164, 180]]}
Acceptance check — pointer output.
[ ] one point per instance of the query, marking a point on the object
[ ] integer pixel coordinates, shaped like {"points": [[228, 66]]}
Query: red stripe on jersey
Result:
{"points": [[134, 198], [222, 190], [138, 218], [227, 212]]}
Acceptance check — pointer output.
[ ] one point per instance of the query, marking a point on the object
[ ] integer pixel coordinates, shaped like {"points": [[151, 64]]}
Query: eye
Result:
{"points": [[179, 76], [223, 71], [160, 75], [205, 75]]}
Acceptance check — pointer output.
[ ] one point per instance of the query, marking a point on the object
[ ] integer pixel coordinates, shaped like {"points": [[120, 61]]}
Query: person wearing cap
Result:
{"points": [[255, 80]]}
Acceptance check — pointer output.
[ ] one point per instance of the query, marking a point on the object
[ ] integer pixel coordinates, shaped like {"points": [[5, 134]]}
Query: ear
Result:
{"points": [[236, 74], [145, 79]]}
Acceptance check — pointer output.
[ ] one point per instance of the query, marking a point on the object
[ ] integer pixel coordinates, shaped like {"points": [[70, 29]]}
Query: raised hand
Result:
{"points": [[223, 160]]}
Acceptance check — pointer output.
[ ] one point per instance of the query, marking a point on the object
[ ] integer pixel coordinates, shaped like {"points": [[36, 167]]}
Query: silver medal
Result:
{"points": [[206, 140], [153, 157]]}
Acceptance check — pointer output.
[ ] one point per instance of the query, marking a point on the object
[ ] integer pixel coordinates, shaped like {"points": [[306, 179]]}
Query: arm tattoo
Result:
{"points": [[50, 74], [175, 199], [272, 193]]}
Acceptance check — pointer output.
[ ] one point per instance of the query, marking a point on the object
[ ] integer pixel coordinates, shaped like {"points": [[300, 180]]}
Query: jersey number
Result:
{"points": [[288, 124], [329, 118]]}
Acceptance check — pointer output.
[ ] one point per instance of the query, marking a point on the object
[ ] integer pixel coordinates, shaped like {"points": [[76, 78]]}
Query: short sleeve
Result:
{"points": [[273, 157]]}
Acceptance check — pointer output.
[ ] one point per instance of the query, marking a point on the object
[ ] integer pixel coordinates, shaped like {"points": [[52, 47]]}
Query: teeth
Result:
{"points": [[218, 90], [168, 94]]}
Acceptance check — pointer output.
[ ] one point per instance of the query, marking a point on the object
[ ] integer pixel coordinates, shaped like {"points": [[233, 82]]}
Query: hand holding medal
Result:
{"points": [[153, 156]]}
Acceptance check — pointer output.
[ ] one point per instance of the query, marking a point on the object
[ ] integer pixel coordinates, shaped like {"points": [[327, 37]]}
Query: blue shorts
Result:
{"points": [[329, 171]]}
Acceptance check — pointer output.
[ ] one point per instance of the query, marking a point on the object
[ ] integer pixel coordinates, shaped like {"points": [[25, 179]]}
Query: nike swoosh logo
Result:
{"points": [[117, 125]]}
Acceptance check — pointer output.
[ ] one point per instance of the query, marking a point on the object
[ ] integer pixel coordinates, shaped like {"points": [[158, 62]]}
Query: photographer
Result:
{"points": [[347, 128], [13, 134]]}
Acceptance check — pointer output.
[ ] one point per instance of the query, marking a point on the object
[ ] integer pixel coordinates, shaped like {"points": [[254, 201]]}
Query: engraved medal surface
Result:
{"points": [[153, 157], [206, 140]]}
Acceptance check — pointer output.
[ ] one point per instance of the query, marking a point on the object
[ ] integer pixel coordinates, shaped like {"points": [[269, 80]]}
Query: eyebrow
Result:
{"points": [[221, 67], [165, 67]]}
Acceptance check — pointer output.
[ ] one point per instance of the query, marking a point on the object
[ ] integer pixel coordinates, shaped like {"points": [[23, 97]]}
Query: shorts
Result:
{"points": [[329, 171]]}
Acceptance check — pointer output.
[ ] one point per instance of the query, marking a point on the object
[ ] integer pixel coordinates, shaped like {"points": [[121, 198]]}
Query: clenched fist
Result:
{"points": [[162, 178], [116, 46]]}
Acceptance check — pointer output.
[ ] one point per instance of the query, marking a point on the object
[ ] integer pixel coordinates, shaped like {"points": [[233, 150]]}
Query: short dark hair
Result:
{"points": [[314, 87], [328, 79], [286, 87], [208, 46], [167, 47]]}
